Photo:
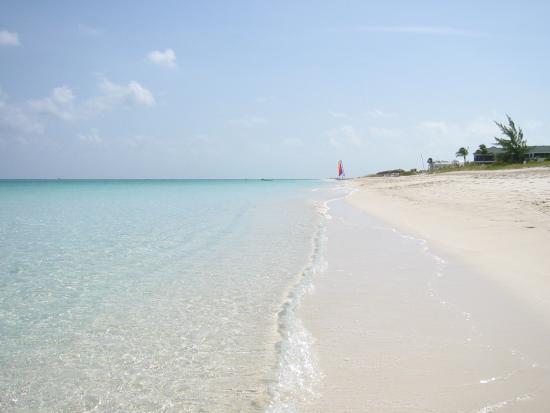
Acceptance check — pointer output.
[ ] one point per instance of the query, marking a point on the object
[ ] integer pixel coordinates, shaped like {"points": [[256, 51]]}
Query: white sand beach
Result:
{"points": [[436, 295], [499, 221]]}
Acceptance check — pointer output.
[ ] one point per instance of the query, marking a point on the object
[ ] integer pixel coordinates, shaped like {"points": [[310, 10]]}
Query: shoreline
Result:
{"points": [[401, 321], [297, 373], [497, 221]]}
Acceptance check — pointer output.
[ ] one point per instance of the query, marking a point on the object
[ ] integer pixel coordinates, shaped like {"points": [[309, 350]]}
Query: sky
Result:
{"points": [[273, 89]]}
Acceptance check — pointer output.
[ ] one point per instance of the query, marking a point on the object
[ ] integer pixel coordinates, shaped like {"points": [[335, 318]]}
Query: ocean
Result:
{"points": [[157, 296]]}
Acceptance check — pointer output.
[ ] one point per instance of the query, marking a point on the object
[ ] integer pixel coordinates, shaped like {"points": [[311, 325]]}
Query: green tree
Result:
{"points": [[513, 145], [462, 152], [483, 150]]}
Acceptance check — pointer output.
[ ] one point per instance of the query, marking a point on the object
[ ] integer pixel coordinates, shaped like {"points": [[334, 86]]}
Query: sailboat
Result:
{"points": [[341, 173]]}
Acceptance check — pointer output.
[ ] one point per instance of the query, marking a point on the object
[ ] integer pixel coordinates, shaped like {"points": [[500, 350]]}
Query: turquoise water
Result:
{"points": [[154, 295]]}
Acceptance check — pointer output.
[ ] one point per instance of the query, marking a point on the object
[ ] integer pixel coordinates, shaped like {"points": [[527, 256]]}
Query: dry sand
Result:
{"points": [[436, 299], [499, 221]]}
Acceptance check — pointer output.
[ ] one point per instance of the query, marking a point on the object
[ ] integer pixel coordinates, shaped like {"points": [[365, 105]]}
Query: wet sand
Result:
{"points": [[402, 323]]}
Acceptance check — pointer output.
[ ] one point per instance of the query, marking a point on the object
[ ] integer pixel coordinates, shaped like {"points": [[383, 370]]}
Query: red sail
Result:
{"points": [[340, 168]]}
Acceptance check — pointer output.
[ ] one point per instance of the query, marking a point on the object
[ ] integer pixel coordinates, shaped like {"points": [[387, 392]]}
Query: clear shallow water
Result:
{"points": [[154, 295]]}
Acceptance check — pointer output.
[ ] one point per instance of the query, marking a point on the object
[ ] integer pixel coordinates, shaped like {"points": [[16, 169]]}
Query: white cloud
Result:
{"points": [[140, 94], [442, 138], [59, 103], [379, 114], [63, 95], [15, 119], [345, 134], [482, 127], [115, 94], [427, 30], [248, 121], [135, 141], [92, 137], [435, 127], [9, 38], [332, 141], [166, 58], [137, 93], [384, 133], [62, 101]]}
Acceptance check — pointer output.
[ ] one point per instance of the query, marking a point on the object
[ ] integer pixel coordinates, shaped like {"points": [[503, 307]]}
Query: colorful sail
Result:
{"points": [[341, 173]]}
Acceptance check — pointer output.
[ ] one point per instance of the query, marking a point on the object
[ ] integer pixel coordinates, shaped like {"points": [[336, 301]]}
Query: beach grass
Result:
{"points": [[468, 167], [493, 166]]}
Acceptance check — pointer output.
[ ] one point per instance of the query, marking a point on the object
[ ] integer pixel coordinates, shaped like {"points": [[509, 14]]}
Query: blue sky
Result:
{"points": [[263, 89]]}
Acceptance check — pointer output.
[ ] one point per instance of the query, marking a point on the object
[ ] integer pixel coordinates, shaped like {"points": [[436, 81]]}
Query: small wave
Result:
{"points": [[298, 372], [508, 375], [499, 405], [493, 407], [489, 380]]}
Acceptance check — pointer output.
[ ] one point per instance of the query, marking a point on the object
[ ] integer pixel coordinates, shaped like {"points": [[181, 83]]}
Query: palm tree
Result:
{"points": [[430, 164], [514, 146], [462, 152]]}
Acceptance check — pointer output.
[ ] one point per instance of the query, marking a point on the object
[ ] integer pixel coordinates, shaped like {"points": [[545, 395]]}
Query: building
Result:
{"points": [[434, 165], [539, 153], [489, 157], [534, 153]]}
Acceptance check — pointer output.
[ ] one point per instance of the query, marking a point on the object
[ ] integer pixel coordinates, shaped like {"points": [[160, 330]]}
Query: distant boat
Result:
{"points": [[264, 179], [341, 173]]}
